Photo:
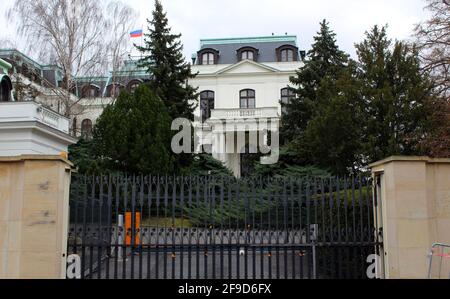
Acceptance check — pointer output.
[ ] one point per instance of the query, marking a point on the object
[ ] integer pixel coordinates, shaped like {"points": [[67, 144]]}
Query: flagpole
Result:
{"points": [[142, 38]]}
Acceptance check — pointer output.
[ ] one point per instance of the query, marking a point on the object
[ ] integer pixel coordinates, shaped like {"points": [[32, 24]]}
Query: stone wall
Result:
{"points": [[34, 195], [415, 209]]}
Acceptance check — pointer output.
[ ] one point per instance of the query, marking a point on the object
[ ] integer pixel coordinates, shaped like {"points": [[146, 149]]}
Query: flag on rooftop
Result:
{"points": [[136, 33]]}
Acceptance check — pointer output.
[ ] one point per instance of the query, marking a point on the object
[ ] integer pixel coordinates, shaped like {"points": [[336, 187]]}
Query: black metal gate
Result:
{"points": [[222, 228]]}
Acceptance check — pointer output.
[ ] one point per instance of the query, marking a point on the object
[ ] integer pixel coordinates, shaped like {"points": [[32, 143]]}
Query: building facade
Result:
{"points": [[242, 82], [33, 81]]}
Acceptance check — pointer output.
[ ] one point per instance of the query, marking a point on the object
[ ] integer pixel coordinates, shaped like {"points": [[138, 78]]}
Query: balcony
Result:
{"points": [[238, 114], [29, 128], [32, 111]]}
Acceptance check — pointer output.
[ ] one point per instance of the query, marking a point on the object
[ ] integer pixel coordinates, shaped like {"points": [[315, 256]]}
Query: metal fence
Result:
{"points": [[222, 228]]}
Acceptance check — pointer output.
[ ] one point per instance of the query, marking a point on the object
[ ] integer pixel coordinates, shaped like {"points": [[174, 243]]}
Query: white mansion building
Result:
{"points": [[240, 80]]}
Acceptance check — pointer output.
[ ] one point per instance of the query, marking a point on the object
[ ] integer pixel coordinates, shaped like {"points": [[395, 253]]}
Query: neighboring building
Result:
{"points": [[28, 128], [41, 83], [242, 81]]}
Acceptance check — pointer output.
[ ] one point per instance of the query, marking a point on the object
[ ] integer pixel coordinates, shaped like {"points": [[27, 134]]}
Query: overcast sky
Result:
{"points": [[196, 19]]}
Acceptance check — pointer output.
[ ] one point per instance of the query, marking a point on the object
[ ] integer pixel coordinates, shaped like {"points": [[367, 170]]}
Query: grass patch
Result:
{"points": [[166, 222]]}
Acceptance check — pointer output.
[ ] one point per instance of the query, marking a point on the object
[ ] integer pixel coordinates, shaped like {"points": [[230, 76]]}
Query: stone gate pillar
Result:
{"points": [[414, 211], [34, 216]]}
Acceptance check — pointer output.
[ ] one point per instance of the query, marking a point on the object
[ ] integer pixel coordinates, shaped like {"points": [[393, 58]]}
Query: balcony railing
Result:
{"points": [[32, 111], [266, 112]]}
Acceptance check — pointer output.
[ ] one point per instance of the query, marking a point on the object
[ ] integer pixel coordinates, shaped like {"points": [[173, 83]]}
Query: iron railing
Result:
{"points": [[214, 227]]}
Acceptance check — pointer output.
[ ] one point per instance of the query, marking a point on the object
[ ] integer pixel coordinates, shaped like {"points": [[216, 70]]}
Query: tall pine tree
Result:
{"points": [[163, 58], [325, 59], [395, 94]]}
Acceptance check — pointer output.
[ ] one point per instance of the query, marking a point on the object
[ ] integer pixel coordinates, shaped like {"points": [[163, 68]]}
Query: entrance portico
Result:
{"points": [[234, 131]]}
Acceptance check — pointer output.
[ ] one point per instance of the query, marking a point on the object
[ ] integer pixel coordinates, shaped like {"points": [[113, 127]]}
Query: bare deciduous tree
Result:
{"points": [[76, 35], [120, 22], [433, 39]]}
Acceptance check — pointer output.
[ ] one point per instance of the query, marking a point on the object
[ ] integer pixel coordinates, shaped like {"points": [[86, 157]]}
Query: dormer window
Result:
{"points": [[90, 91], [287, 53], [249, 53], [208, 56]]}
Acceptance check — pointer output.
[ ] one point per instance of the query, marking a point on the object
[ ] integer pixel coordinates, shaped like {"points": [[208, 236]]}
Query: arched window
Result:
{"points": [[208, 56], [287, 94], [206, 104], [5, 88], [287, 53], [247, 99], [113, 90], [249, 53], [133, 85], [90, 91], [86, 128]]}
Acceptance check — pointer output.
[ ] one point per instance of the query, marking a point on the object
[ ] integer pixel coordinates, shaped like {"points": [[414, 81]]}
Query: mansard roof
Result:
{"points": [[266, 45]]}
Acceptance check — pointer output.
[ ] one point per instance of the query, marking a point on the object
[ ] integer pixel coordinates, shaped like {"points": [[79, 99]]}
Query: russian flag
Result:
{"points": [[136, 33]]}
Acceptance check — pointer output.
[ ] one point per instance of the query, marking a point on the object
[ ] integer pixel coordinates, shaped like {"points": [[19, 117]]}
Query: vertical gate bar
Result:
{"points": [[213, 226], [323, 238], [338, 204], [109, 228], [314, 261], [197, 260], [367, 203], [230, 209], [346, 199], [286, 231], [183, 231], [300, 214], [291, 199], [124, 245], [315, 197], [92, 243], [84, 232], [238, 232], [360, 200], [308, 222], [174, 202], [100, 236], [119, 231], [166, 207], [354, 239], [347, 229], [158, 231], [149, 230], [246, 228], [277, 228], [190, 231], [353, 209], [269, 228], [133, 224], [207, 204], [261, 226], [322, 196], [139, 231], [333, 248], [221, 228], [76, 204], [253, 231]]}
